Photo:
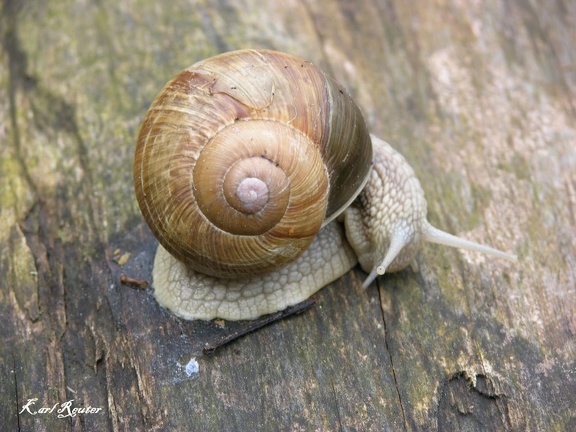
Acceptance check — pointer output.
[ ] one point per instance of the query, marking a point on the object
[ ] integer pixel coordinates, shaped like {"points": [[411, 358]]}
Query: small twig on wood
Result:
{"points": [[258, 324], [134, 282]]}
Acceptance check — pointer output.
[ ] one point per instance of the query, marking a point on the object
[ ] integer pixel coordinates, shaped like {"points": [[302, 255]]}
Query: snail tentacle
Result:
{"points": [[432, 234], [397, 243]]}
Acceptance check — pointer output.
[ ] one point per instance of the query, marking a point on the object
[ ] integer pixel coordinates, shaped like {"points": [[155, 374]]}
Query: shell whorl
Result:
{"points": [[235, 158]]}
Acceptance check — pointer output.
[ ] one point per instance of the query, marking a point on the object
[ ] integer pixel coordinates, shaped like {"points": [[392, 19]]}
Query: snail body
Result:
{"points": [[243, 164]]}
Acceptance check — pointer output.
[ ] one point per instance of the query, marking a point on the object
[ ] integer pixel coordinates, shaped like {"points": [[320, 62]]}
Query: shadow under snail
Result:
{"points": [[246, 167]]}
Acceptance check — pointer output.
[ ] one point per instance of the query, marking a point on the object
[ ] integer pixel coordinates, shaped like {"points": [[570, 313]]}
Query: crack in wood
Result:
{"points": [[17, 401], [390, 357], [338, 415]]}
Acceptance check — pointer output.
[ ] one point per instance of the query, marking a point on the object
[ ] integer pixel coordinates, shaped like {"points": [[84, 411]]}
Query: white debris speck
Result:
{"points": [[192, 367]]}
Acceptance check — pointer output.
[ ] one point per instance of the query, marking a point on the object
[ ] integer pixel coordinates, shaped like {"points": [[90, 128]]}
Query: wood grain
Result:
{"points": [[478, 96]]}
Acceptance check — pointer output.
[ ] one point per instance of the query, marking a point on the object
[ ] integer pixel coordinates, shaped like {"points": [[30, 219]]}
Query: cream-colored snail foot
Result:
{"points": [[192, 295]]}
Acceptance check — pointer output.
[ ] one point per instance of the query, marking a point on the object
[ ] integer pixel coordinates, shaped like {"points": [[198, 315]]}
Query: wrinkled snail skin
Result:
{"points": [[375, 212]]}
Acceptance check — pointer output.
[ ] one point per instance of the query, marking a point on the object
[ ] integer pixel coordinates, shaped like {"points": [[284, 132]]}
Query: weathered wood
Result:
{"points": [[479, 97]]}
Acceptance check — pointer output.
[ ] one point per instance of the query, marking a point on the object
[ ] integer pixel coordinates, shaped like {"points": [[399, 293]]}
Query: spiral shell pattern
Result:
{"points": [[242, 157]]}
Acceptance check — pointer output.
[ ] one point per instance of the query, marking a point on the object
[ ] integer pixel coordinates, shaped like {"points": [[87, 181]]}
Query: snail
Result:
{"points": [[258, 176]]}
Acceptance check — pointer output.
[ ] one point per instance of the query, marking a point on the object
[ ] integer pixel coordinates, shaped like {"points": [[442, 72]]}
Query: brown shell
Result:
{"points": [[236, 156]]}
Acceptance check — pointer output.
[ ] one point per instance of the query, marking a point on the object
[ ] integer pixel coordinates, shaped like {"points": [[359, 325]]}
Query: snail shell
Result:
{"points": [[243, 157]]}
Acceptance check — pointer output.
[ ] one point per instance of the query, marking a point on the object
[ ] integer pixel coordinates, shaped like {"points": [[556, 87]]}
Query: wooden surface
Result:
{"points": [[479, 97]]}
